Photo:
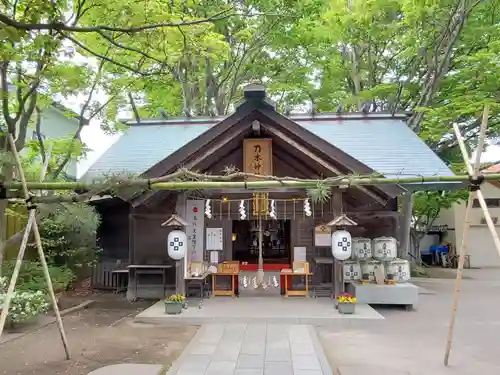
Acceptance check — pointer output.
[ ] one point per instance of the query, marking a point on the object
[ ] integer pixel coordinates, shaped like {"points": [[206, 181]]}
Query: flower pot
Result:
{"points": [[346, 308], [173, 307]]}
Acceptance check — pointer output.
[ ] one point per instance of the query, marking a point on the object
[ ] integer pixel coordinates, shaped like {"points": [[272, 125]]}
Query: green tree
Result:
{"points": [[427, 206], [39, 61]]}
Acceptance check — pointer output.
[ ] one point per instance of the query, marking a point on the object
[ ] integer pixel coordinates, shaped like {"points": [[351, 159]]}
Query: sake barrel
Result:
{"points": [[176, 244], [351, 271], [384, 248], [399, 270], [368, 270], [361, 248], [341, 245]]}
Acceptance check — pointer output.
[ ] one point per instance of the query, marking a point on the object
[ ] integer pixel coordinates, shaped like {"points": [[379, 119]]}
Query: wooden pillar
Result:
{"points": [[405, 225], [132, 278], [180, 266], [337, 279]]}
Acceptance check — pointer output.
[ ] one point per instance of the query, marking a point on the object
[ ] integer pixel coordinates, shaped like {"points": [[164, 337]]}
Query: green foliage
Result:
{"points": [[439, 59], [24, 305], [320, 194], [31, 277], [69, 236], [428, 204]]}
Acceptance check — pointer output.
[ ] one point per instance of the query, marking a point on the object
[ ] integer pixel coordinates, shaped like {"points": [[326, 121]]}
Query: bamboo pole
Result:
{"points": [[39, 247], [20, 257], [249, 185], [473, 171]]}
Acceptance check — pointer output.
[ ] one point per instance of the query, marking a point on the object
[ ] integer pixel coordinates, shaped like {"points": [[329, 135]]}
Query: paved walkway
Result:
{"points": [[253, 349]]}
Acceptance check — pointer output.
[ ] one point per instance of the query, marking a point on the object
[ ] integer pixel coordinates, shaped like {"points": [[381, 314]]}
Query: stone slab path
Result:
{"points": [[253, 349], [129, 369]]}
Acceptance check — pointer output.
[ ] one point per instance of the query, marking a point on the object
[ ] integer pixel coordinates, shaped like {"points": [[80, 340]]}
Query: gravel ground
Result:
{"points": [[98, 336]]}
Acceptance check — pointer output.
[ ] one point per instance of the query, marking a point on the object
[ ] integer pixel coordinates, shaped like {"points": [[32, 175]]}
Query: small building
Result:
{"points": [[56, 122], [59, 122], [256, 138], [480, 248]]}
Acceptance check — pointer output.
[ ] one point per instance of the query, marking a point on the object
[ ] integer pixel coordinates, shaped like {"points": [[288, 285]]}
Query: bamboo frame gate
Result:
{"points": [[258, 182]]}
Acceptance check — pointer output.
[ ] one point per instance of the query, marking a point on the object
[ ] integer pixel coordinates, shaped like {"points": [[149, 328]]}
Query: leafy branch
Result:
{"points": [[61, 26]]}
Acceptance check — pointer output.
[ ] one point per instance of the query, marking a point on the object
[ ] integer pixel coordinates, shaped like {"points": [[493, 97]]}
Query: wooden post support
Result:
{"points": [[20, 257], [473, 171], [41, 254], [405, 229]]}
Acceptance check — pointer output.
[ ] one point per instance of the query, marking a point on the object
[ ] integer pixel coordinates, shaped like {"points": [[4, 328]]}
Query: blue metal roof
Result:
{"points": [[386, 145], [141, 147]]}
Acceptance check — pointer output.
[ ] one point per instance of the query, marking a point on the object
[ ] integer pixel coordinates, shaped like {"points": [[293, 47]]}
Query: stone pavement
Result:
{"points": [[129, 369], [414, 342], [253, 349]]}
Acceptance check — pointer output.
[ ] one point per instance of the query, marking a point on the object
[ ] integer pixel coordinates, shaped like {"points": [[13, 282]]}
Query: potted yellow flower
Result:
{"points": [[174, 303], [346, 303]]}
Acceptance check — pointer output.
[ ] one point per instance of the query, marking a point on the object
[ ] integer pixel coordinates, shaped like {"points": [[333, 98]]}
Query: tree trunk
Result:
{"points": [[6, 175]]}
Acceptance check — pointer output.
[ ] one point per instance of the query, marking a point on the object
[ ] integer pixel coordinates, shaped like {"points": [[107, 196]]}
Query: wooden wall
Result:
{"points": [[113, 232]]}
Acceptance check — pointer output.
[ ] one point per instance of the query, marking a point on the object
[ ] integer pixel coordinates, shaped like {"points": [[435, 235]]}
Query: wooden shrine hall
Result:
{"points": [[282, 226]]}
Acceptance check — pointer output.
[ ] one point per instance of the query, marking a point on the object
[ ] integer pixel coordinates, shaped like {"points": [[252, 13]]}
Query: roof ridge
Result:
{"points": [[295, 117]]}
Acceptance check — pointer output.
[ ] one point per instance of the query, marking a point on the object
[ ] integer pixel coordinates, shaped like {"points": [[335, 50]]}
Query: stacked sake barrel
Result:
{"points": [[368, 254]]}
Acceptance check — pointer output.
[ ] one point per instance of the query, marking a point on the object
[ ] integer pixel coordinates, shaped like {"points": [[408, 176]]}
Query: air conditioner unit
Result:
{"points": [[493, 218]]}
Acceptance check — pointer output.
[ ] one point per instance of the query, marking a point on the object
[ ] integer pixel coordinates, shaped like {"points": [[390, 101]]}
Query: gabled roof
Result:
{"points": [[495, 168], [380, 141]]}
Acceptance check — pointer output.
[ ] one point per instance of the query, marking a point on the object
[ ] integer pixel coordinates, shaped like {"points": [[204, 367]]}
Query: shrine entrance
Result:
{"points": [[276, 244]]}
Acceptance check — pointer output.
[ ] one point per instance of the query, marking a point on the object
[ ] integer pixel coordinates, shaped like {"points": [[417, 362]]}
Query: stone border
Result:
{"points": [[185, 352], [323, 361], [83, 305]]}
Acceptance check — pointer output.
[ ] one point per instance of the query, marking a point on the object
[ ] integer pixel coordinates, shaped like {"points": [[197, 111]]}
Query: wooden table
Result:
{"points": [[302, 293], [221, 292], [115, 274], [200, 279], [151, 268]]}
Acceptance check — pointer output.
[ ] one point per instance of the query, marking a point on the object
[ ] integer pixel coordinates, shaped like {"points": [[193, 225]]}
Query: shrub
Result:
{"points": [[31, 277], [69, 236], [24, 305]]}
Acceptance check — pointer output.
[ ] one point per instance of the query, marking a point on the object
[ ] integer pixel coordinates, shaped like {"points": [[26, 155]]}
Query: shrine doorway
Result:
{"points": [[276, 244]]}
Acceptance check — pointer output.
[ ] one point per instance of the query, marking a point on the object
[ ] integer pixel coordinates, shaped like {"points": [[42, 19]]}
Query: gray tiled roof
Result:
{"points": [[384, 144]]}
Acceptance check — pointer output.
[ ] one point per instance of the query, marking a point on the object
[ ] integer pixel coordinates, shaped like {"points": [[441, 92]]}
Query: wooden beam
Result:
{"points": [[298, 165], [218, 148], [372, 214], [318, 160], [151, 216]]}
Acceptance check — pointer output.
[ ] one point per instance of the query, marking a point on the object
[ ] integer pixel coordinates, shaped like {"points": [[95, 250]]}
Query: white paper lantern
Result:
{"points": [[341, 245], [361, 248], [176, 244], [398, 270], [385, 248]]}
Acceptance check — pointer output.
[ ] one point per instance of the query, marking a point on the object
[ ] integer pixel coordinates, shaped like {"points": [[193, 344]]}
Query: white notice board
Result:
{"points": [[214, 240], [299, 254]]}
